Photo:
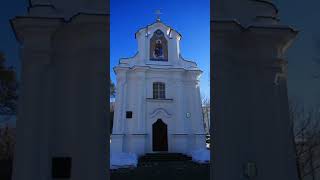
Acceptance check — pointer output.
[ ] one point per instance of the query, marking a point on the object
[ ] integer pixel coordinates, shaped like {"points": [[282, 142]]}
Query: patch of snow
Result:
{"points": [[123, 160], [200, 156]]}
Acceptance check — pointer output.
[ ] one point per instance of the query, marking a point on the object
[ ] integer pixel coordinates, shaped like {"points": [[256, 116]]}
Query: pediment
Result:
{"points": [[160, 112]]}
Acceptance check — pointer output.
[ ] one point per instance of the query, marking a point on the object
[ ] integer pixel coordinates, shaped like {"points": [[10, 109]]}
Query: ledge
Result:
{"points": [[253, 27], [139, 134], [159, 99], [159, 60]]}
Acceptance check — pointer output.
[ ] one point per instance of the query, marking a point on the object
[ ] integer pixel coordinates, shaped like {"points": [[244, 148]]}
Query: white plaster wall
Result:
{"points": [[175, 116]]}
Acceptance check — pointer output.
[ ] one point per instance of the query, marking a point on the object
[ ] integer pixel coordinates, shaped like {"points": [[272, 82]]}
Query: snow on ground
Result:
{"points": [[123, 160], [200, 156]]}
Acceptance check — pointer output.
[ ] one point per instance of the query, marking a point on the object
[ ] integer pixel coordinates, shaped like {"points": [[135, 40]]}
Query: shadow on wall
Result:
{"points": [[111, 121]]}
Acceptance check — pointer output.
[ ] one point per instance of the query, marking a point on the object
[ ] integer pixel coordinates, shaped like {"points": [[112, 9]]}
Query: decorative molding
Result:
{"points": [[137, 134], [253, 27], [268, 17], [159, 100], [160, 111], [161, 60]]}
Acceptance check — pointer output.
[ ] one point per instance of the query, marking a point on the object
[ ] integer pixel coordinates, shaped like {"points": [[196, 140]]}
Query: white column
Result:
{"points": [[194, 107], [140, 99], [119, 118], [197, 100], [124, 108], [181, 114], [29, 146], [144, 104], [200, 141], [32, 125], [189, 106], [119, 115]]}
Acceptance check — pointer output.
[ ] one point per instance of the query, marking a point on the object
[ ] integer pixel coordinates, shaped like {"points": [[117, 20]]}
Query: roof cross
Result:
{"points": [[158, 13]]}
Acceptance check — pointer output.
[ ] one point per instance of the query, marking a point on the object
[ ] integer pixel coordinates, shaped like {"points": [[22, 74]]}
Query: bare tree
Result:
{"points": [[316, 59], [8, 88], [306, 127], [206, 112], [7, 143], [112, 89]]}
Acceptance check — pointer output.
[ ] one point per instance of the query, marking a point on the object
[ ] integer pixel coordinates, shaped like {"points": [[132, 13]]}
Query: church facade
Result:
{"points": [[158, 104]]}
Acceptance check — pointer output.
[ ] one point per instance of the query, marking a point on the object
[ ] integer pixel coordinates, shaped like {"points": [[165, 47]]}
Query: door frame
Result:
{"points": [[159, 120]]}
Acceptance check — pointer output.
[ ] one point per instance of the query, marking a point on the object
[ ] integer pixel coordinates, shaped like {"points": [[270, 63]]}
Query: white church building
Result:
{"points": [[158, 104]]}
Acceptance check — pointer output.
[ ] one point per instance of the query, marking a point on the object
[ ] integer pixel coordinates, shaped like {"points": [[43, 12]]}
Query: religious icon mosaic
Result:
{"points": [[158, 47]]}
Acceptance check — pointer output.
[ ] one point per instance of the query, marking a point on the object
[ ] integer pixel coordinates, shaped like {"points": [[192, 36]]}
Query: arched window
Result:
{"points": [[159, 90], [158, 47]]}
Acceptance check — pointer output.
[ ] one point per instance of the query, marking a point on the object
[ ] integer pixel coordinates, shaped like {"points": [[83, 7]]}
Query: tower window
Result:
{"points": [[159, 90], [61, 167], [129, 114]]}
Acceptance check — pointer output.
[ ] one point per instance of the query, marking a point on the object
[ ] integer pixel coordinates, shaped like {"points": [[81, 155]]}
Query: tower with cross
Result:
{"points": [[158, 13]]}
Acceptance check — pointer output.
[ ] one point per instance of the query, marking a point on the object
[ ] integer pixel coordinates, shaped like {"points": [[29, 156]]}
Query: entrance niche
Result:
{"points": [[159, 136]]}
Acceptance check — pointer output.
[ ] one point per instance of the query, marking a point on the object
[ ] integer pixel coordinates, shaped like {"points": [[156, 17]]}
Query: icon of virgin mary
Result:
{"points": [[158, 50]]}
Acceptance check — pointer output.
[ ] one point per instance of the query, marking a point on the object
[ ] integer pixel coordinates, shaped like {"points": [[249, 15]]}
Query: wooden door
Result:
{"points": [[159, 136]]}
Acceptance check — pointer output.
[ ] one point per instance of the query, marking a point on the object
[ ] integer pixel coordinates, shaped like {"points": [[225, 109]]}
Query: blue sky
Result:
{"points": [[190, 18], [303, 16], [8, 43]]}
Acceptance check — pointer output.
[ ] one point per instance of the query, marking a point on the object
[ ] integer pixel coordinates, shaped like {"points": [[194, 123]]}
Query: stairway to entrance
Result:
{"points": [[168, 157], [164, 166]]}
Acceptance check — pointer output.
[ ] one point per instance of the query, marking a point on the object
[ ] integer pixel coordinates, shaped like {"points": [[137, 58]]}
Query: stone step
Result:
{"points": [[163, 160], [165, 153], [163, 157], [183, 170]]}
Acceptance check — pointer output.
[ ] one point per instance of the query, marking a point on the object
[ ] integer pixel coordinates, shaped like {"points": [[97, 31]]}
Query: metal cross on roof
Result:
{"points": [[158, 13]]}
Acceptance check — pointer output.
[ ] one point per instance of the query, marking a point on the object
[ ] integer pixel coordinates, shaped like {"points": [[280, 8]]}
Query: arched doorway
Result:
{"points": [[159, 136]]}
